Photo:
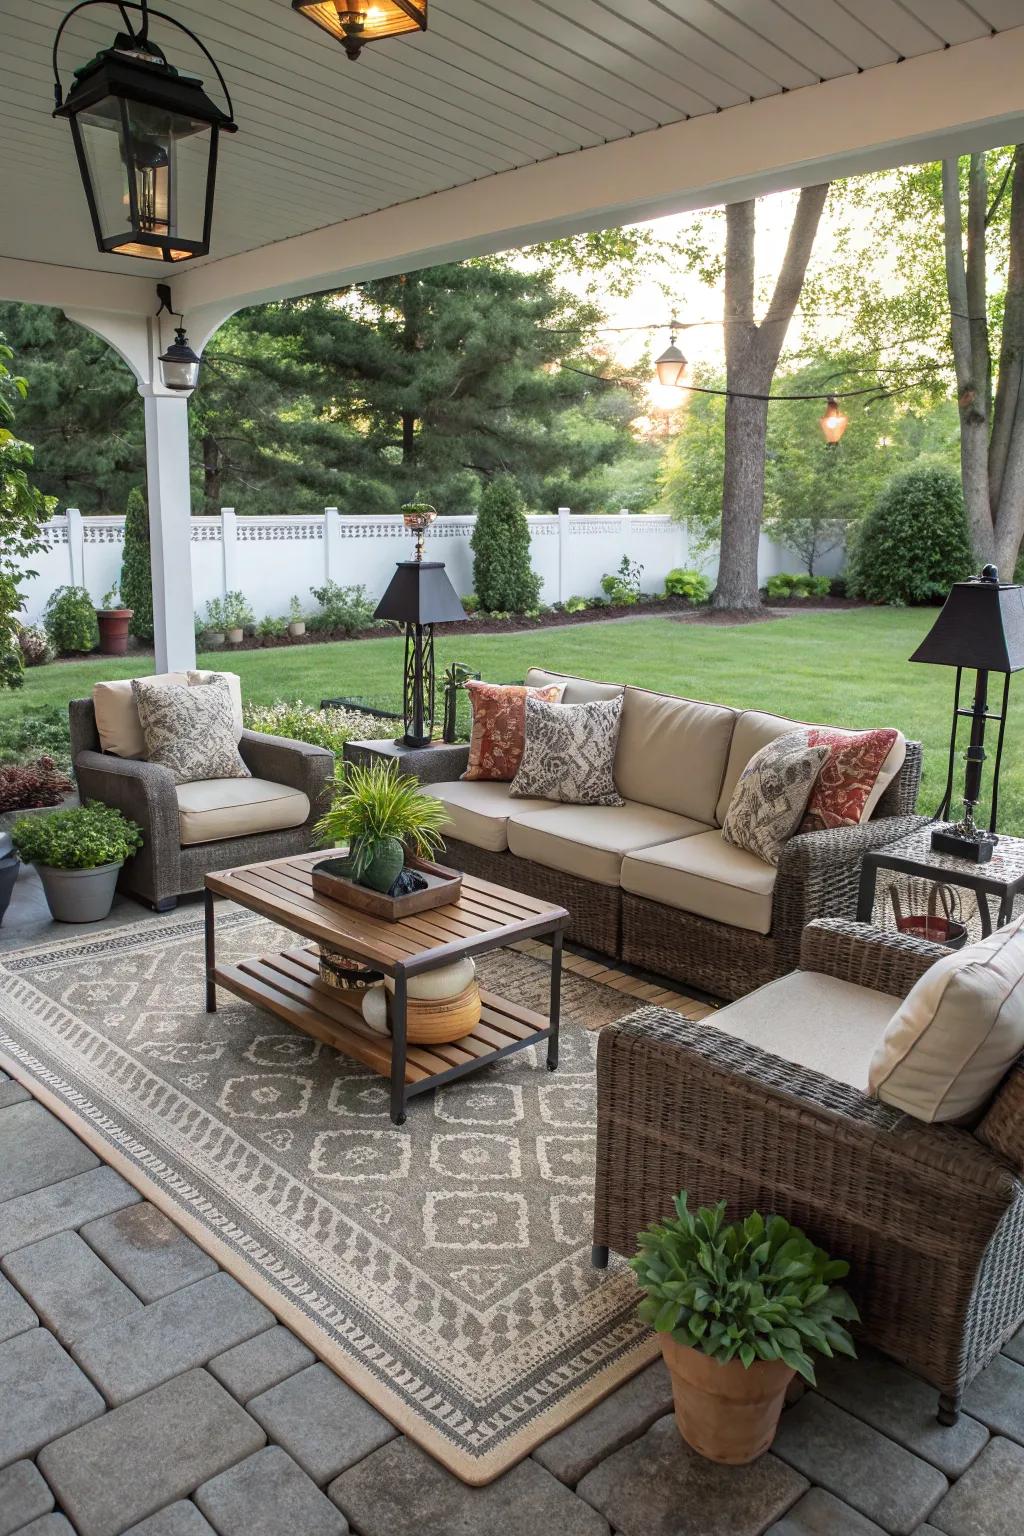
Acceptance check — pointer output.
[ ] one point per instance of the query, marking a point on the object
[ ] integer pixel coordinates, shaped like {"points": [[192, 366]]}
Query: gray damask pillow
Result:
{"points": [[569, 752], [771, 796], [191, 731]]}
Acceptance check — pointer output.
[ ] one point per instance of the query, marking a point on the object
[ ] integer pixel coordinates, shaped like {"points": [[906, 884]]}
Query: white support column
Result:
{"points": [[170, 531]]}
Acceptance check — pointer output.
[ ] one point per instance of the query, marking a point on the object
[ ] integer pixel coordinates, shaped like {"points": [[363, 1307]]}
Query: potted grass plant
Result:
{"points": [[296, 619], [213, 625], [381, 815], [78, 854], [238, 616], [740, 1307], [113, 620]]}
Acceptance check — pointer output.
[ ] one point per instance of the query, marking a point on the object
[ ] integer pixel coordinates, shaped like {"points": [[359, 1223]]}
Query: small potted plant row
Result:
{"points": [[740, 1308], [78, 854]]}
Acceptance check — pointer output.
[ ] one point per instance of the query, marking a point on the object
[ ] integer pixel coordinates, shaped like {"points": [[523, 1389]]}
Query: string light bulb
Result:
{"points": [[833, 424], [671, 365]]}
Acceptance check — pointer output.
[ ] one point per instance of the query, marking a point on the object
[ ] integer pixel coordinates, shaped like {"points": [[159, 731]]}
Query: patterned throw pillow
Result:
{"points": [[499, 724], [190, 730], [855, 759], [570, 752], [771, 796]]}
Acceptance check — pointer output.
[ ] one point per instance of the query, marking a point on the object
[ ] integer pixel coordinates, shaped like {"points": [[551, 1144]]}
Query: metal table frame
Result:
{"points": [[978, 878]]}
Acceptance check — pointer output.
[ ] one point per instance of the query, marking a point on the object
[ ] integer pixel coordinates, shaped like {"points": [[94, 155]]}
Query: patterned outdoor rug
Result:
{"points": [[443, 1268]]}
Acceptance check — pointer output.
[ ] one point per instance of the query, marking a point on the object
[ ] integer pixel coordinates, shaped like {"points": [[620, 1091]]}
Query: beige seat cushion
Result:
{"points": [[672, 752], [117, 715], [578, 690], [590, 840], [830, 1026], [706, 876], [478, 810], [212, 809], [957, 1033], [755, 729]]}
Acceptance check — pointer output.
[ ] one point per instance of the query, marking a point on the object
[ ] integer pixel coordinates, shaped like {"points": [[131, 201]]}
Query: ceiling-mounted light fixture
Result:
{"points": [[364, 21], [671, 365], [146, 140], [179, 365], [833, 423]]}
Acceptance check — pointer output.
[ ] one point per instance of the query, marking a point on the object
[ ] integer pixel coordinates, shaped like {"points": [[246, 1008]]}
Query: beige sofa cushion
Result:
{"points": [[957, 1033], [672, 752], [829, 1026], [590, 840], [117, 716], [755, 729], [706, 876], [478, 810], [211, 809], [578, 690]]}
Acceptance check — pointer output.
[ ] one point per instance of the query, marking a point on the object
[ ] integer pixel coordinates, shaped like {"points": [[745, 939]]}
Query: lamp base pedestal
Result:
{"points": [[949, 840], [410, 739]]}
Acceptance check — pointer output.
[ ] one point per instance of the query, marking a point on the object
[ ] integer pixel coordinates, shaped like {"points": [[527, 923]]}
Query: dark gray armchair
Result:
{"points": [[167, 867]]}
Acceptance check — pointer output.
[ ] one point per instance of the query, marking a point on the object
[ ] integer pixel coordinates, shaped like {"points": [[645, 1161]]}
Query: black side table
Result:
{"points": [[1003, 876], [435, 764]]}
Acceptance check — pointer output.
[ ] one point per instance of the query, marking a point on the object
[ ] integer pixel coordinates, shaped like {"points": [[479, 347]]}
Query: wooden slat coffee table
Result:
{"points": [[288, 983]]}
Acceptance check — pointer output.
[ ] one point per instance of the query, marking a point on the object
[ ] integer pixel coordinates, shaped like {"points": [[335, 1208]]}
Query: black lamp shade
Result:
{"points": [[420, 593], [981, 627]]}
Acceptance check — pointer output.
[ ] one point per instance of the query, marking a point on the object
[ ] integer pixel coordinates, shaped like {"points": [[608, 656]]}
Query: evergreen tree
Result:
{"points": [[503, 579], [136, 571]]}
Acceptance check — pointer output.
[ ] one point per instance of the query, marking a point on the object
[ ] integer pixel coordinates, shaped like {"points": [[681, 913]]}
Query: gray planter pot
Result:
{"points": [[79, 895], [9, 866]]}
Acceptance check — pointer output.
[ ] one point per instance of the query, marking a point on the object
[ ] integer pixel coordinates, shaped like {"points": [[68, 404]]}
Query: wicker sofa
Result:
{"points": [[653, 882], [761, 1109], [191, 829]]}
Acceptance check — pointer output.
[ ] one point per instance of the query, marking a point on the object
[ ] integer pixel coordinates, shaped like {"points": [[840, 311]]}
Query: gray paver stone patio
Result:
{"points": [[36, 1149], [43, 1394], [902, 1406], [321, 1422], [12, 1093], [16, 1316], [401, 1491], [266, 1495], [62, 1206], [989, 1498], [860, 1466], [996, 1396], [157, 1448], [821, 1514], [49, 1525], [132, 1354], [261, 1363], [24, 1496], [70, 1288], [658, 1486], [148, 1252], [180, 1519], [621, 1417]]}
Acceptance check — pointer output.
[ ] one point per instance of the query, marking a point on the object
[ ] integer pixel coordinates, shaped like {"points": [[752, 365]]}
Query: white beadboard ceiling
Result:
{"points": [[491, 86]]}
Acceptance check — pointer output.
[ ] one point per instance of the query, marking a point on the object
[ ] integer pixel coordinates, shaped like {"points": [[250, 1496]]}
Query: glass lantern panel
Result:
{"points": [[102, 145], [179, 375], [191, 151]]}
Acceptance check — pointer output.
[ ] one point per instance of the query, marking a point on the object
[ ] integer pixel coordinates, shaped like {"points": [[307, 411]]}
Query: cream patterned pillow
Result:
{"points": [[771, 796], [569, 752], [190, 730]]}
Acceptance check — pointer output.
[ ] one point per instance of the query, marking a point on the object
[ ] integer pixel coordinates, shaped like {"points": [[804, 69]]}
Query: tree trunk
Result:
{"points": [[746, 428], [408, 437], [212, 472]]}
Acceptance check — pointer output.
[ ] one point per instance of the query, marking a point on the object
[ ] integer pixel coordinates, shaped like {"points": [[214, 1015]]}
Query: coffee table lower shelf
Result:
{"points": [[288, 985]]}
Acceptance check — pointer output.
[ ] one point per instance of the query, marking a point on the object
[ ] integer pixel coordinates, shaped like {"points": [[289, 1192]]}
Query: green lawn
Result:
{"points": [[846, 668]]}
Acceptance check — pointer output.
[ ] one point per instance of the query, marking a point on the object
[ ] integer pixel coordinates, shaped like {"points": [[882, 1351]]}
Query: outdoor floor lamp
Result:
{"points": [[980, 629], [419, 596]]}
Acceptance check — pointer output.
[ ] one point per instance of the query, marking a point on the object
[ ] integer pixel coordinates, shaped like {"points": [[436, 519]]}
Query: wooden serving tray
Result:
{"points": [[443, 887]]}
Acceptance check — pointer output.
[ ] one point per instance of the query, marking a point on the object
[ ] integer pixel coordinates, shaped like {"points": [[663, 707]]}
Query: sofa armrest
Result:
{"points": [[439, 763], [872, 957], [146, 793], [295, 763]]}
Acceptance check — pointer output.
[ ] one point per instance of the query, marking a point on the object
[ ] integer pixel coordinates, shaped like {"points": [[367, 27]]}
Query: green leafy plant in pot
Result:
{"points": [[380, 813], [739, 1306], [78, 854]]}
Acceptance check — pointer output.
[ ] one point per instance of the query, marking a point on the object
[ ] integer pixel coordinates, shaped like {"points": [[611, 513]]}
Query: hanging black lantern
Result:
{"points": [[179, 365], [146, 140], [358, 22]]}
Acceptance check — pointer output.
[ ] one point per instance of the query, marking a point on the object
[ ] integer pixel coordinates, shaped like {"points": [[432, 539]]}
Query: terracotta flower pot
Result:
{"points": [[113, 624], [728, 1413]]}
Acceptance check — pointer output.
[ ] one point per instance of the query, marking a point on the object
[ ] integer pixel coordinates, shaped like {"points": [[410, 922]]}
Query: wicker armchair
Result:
{"points": [[930, 1218], [165, 868]]}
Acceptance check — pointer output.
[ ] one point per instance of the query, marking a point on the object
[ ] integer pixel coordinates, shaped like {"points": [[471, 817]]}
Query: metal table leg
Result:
{"points": [[866, 889], [398, 1022], [211, 952], [555, 1002]]}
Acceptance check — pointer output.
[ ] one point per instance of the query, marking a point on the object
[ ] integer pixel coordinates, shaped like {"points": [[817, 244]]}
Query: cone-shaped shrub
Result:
{"points": [[503, 579], [136, 573]]}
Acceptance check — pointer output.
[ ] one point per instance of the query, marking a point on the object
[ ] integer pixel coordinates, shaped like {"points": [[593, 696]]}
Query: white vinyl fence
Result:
{"points": [[270, 558]]}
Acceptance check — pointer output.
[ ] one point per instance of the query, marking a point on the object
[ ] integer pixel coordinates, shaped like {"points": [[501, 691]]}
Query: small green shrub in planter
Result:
{"points": [[913, 545], [214, 624], [379, 813], [693, 585], [238, 615], [77, 854], [69, 619]]}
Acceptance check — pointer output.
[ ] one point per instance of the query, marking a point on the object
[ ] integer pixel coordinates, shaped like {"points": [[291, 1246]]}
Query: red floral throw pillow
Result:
{"points": [[499, 727], [847, 775]]}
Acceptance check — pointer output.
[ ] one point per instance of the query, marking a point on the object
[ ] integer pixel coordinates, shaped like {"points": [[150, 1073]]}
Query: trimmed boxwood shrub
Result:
{"points": [[914, 544], [69, 619], [503, 578]]}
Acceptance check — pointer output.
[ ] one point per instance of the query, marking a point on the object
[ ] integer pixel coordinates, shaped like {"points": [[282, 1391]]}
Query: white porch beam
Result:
{"points": [[40, 282], [964, 98]]}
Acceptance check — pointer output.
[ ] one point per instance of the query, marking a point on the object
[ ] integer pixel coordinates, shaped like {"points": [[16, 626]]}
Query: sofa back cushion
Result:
{"points": [[1002, 1129], [957, 1033], [672, 752], [117, 714], [577, 690], [755, 729]]}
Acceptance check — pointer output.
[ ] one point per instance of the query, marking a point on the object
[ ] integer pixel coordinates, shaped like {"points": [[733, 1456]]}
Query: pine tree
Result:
{"points": [[503, 578], [136, 571]]}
